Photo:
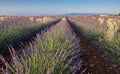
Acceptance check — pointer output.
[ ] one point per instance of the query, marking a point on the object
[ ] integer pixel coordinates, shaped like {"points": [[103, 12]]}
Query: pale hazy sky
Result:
{"points": [[37, 7]]}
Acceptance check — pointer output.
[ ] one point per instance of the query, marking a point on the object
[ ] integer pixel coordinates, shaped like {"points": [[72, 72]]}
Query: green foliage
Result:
{"points": [[119, 14]]}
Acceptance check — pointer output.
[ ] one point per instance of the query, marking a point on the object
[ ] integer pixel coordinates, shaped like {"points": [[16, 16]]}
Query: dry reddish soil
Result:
{"points": [[94, 61]]}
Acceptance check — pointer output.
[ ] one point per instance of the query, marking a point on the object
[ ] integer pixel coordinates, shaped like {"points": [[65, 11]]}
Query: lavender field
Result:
{"points": [[59, 44]]}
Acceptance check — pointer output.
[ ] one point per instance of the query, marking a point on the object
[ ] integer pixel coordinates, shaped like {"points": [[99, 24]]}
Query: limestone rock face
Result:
{"points": [[64, 19], [112, 29], [101, 20], [31, 19], [2, 18], [44, 19]]}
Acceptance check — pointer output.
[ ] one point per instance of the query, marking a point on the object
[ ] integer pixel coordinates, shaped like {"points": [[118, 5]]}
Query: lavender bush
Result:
{"points": [[53, 52], [12, 28], [98, 30]]}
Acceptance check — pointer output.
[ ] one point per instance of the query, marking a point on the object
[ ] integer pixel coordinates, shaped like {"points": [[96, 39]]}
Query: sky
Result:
{"points": [[55, 7]]}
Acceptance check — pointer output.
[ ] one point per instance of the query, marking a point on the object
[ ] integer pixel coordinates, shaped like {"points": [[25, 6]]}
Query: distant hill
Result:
{"points": [[82, 14], [87, 14]]}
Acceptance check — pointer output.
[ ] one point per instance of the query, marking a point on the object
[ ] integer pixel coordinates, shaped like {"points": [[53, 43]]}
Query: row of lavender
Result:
{"points": [[54, 51], [104, 31], [13, 28]]}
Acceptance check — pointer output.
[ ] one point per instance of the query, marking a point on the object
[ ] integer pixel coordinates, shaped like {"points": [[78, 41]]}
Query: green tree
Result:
{"points": [[118, 14]]}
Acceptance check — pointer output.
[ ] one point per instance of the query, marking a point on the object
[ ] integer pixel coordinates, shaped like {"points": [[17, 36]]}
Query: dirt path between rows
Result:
{"points": [[94, 61]]}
